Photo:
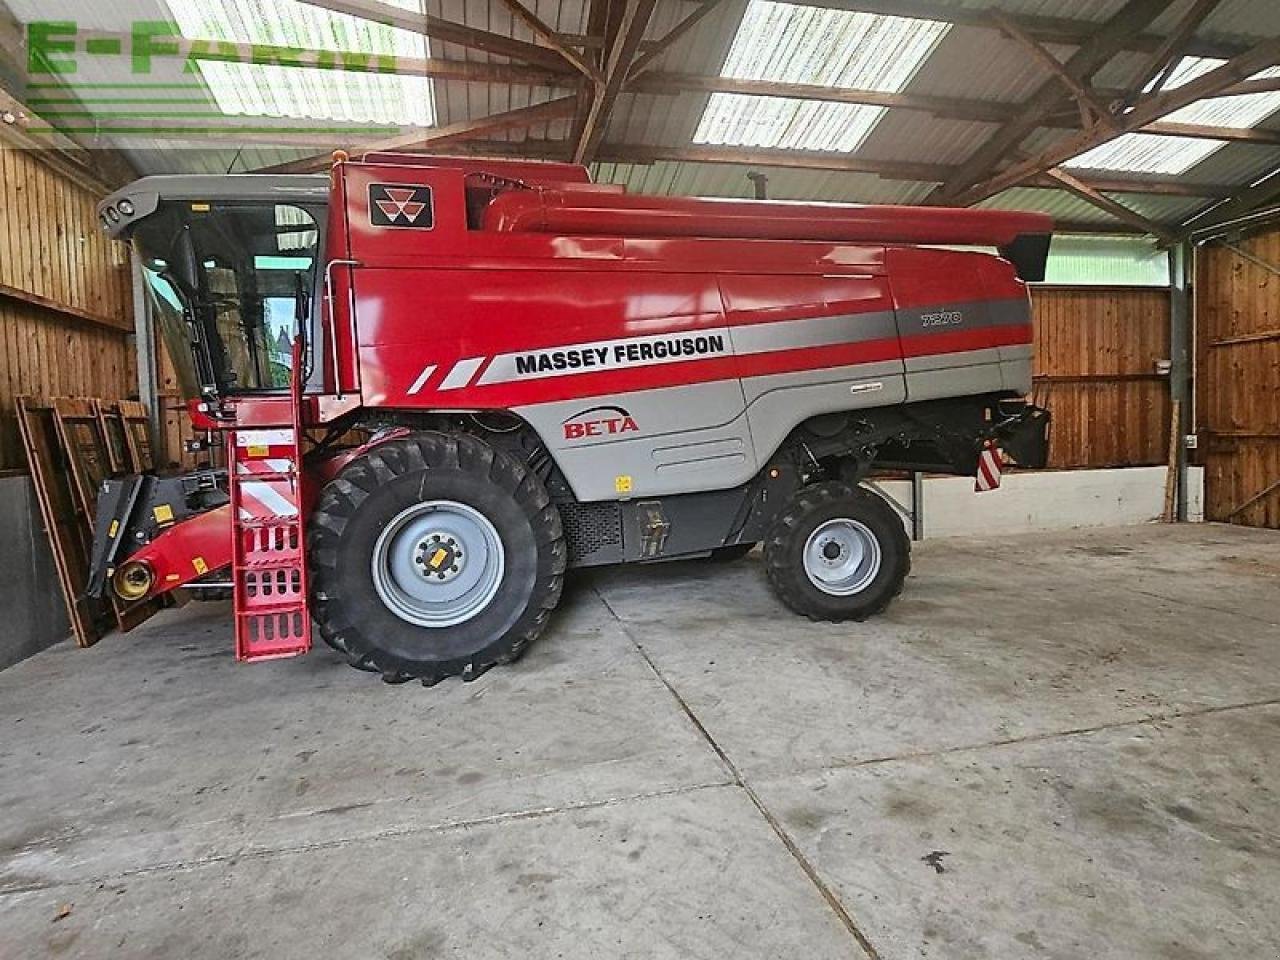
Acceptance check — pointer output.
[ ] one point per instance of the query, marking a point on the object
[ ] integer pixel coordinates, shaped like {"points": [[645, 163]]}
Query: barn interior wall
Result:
{"points": [[1096, 349], [65, 329], [1237, 313]]}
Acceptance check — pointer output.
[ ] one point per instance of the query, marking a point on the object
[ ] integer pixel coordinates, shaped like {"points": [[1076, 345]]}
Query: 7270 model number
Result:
{"points": [[947, 318]]}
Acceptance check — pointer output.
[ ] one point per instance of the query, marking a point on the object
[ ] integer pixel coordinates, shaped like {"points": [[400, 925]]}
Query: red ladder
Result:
{"points": [[268, 561]]}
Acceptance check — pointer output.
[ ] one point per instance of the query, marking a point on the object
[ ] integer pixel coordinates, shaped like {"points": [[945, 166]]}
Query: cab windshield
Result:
{"points": [[243, 276]]}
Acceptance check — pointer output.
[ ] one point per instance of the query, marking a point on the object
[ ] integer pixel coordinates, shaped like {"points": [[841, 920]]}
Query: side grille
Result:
{"points": [[593, 532]]}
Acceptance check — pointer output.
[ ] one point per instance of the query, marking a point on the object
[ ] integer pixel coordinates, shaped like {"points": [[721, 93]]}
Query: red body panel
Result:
{"points": [[189, 550], [569, 211], [427, 300]]}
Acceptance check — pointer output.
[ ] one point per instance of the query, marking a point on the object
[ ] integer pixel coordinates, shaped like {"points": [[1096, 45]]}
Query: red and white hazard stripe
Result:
{"points": [[990, 461], [262, 500], [250, 468]]}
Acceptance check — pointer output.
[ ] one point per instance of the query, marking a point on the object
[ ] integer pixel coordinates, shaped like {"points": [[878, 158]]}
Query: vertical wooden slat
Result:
{"points": [[1238, 388], [1095, 356], [44, 352]]}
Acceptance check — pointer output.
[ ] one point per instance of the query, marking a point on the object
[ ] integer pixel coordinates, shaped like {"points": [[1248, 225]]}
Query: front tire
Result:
{"points": [[434, 556], [837, 552]]}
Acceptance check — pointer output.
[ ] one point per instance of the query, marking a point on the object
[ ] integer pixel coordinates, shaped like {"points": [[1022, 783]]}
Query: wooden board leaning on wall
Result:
{"points": [[72, 445]]}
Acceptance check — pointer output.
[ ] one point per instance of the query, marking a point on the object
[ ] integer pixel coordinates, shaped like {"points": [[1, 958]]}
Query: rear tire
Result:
{"points": [[393, 588], [837, 552]]}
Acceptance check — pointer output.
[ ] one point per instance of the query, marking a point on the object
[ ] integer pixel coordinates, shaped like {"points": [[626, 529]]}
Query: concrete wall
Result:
{"points": [[33, 615], [1048, 500]]}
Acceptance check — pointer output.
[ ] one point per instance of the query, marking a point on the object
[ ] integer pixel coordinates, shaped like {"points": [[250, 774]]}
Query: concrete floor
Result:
{"points": [[1052, 746]]}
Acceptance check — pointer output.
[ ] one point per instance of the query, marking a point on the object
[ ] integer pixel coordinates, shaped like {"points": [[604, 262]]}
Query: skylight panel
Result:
{"points": [[1147, 153], [786, 43], [266, 90]]}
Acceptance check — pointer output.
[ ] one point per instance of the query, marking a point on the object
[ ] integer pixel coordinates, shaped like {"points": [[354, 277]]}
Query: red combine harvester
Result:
{"points": [[442, 382]]}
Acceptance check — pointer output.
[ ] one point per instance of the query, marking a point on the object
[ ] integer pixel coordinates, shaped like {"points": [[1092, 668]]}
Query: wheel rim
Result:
{"points": [[438, 564], [842, 557]]}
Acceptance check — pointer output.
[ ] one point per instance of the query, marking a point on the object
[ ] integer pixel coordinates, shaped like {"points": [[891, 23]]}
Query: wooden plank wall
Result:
{"points": [[65, 298], [1238, 378], [1096, 349]]}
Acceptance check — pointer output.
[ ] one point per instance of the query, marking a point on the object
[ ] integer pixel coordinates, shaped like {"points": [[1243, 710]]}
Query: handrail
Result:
{"points": [[333, 317]]}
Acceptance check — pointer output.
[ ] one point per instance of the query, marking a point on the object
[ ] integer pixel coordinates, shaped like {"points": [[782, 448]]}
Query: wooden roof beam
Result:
{"points": [[952, 107], [656, 51], [886, 169], [552, 39], [1148, 110], [1077, 187], [447, 31], [1085, 96], [453, 132], [1198, 131], [633, 22], [1165, 58], [1108, 39], [1241, 204]]}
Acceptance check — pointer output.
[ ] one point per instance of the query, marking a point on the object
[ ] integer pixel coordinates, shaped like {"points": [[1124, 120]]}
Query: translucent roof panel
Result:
{"points": [[787, 43], [264, 90], [1146, 153]]}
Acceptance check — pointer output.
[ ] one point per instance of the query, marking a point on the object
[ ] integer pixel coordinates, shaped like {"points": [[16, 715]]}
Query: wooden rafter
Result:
{"points": [[598, 27], [1084, 191], [653, 82], [1147, 110], [952, 107], [1164, 59], [1108, 39], [793, 159], [1241, 204], [659, 49], [886, 169], [1200, 131], [632, 23], [1085, 96], [552, 39], [445, 30], [453, 132]]}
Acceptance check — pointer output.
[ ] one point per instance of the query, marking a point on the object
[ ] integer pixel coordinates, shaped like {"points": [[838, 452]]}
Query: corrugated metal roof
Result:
{"points": [[1145, 153], [966, 62], [264, 90], [787, 43]]}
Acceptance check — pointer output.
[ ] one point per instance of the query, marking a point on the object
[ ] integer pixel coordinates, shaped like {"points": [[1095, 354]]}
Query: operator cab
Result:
{"points": [[232, 266]]}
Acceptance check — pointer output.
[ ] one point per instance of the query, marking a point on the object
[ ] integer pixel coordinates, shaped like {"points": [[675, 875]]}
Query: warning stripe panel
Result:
{"points": [[988, 474], [267, 500], [258, 467]]}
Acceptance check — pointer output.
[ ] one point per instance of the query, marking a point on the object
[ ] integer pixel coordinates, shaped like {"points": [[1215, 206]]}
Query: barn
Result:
{"points": [[821, 460]]}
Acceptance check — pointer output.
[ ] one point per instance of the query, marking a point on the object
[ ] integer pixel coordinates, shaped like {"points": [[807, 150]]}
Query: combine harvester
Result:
{"points": [[544, 373]]}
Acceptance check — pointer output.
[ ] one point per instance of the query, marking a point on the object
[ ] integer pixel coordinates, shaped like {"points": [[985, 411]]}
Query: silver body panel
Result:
{"points": [[719, 434]]}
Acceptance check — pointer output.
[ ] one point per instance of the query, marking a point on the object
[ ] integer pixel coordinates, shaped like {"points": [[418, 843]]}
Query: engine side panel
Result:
{"points": [[958, 313]]}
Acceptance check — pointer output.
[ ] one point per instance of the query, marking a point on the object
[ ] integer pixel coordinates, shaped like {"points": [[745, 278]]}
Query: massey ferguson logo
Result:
{"points": [[400, 206], [599, 422]]}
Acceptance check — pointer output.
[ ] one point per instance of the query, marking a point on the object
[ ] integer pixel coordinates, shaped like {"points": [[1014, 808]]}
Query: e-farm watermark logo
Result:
{"points": [[150, 80]]}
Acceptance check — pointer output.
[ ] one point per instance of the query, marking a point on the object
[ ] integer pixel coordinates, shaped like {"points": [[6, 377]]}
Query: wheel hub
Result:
{"points": [[438, 564], [439, 556], [842, 557]]}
